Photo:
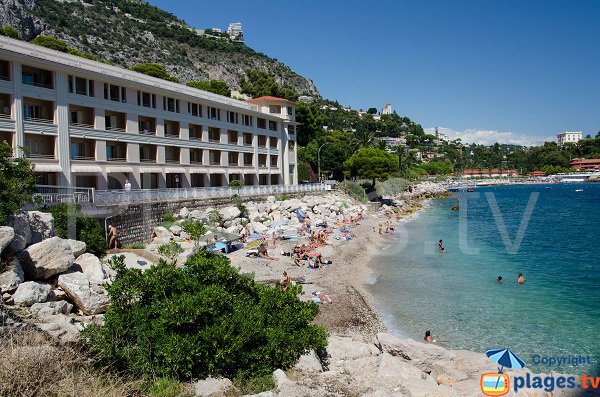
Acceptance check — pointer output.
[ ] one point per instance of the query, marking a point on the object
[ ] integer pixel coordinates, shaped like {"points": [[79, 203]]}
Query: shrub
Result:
{"points": [[215, 217], [9, 31], [87, 229], [194, 228], [282, 197], [154, 70], [170, 249], [134, 246], [353, 189], [202, 319], [51, 42], [169, 217], [17, 181]]}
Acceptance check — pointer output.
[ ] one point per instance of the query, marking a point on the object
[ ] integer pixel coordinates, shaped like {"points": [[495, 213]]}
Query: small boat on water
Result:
{"points": [[579, 190], [470, 190], [548, 187]]}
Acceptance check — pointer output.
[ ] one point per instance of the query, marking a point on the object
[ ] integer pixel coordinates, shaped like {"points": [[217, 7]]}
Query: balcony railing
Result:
{"points": [[38, 84], [121, 159], [146, 132], [4, 115], [148, 160], [195, 138], [56, 194], [212, 162], [171, 135], [40, 156], [117, 129], [139, 196], [82, 125], [86, 158], [46, 121], [172, 161], [4, 77]]}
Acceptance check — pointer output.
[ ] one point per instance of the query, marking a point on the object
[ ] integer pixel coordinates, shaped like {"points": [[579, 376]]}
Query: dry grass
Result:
{"points": [[32, 364]]}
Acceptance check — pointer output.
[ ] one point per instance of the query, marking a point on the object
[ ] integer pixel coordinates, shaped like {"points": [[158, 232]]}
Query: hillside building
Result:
{"points": [[568, 137], [89, 124]]}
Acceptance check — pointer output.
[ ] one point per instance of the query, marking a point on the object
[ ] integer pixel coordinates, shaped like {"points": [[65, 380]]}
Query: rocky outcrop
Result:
{"points": [[213, 387], [77, 247], [7, 234], [12, 276], [32, 292], [45, 259], [91, 267], [89, 297], [41, 225], [22, 238], [50, 308]]}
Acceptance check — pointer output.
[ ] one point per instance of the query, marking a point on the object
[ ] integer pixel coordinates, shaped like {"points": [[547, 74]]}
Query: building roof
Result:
{"points": [[585, 161], [263, 99]]}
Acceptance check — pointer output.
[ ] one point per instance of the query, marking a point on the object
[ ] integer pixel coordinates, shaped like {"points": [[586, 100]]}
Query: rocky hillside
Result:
{"points": [[129, 32]]}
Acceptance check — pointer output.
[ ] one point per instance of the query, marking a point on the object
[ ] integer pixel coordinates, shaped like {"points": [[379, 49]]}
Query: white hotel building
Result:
{"points": [[89, 124]]}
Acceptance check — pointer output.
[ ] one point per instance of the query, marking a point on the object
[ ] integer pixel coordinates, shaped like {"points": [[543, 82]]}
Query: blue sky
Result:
{"points": [[516, 71]]}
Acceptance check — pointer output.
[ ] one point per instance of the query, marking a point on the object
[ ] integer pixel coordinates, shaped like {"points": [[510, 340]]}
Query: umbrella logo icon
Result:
{"points": [[498, 384]]}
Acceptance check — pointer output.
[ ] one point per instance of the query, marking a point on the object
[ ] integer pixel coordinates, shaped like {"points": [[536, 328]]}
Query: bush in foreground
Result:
{"points": [[202, 319]]}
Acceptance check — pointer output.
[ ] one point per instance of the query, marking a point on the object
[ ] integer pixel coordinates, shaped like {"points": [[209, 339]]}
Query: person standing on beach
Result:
{"points": [[520, 278]]}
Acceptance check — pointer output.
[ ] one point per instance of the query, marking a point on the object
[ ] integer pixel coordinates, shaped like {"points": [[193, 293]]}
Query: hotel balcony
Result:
{"points": [[116, 151], [38, 110], [247, 139], [37, 77], [4, 70], [5, 106], [81, 116], [196, 156], [172, 155], [214, 135], [6, 136], [273, 142], [232, 137], [274, 160], [248, 160], [40, 146], [171, 129], [233, 159], [83, 149], [195, 132], [214, 157], [115, 121], [146, 125], [262, 160], [262, 141], [147, 153]]}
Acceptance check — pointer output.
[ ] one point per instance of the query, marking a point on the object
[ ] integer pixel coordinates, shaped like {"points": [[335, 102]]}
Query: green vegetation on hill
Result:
{"points": [[216, 86], [258, 83], [202, 319], [154, 70]]}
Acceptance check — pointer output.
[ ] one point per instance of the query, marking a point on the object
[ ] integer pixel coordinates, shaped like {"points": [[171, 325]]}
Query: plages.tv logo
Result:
{"points": [[498, 384]]}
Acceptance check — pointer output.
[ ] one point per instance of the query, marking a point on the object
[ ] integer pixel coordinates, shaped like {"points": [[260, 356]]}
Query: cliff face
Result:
{"points": [[130, 32]]}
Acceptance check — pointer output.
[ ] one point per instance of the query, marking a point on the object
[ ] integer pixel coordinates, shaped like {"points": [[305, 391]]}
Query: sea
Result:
{"points": [[550, 233]]}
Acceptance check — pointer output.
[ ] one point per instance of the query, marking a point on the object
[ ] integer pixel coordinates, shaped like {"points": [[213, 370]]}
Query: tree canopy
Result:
{"points": [[215, 86], [371, 163], [154, 70], [259, 83], [17, 181]]}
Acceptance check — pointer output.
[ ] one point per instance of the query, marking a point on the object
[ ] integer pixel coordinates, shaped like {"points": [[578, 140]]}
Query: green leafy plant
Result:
{"points": [[170, 249], [215, 217], [282, 197], [17, 180], [9, 31], [202, 319], [215, 86], [134, 246], [194, 228], [87, 229], [154, 70]]}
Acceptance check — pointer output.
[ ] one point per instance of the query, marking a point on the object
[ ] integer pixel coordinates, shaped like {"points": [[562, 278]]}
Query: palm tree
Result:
{"points": [[364, 138]]}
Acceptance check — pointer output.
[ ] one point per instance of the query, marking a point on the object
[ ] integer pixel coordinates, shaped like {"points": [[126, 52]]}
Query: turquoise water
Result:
{"points": [[456, 294]]}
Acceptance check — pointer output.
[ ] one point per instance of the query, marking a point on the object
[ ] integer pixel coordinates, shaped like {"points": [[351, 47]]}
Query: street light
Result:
{"points": [[319, 161]]}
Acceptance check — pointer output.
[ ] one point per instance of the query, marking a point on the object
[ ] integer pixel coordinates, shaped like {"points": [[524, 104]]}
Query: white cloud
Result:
{"points": [[488, 137]]}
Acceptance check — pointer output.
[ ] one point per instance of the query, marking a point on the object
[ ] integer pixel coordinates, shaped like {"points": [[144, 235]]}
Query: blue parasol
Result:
{"points": [[505, 358]]}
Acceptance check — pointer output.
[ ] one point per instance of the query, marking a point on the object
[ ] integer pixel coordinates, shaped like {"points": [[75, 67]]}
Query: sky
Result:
{"points": [[512, 71]]}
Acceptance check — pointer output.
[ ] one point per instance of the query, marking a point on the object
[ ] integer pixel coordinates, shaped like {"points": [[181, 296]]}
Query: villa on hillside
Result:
{"points": [[585, 164], [89, 124], [473, 173]]}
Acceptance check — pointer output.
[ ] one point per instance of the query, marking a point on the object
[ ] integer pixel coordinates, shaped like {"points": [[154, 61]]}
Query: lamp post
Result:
{"points": [[319, 162]]}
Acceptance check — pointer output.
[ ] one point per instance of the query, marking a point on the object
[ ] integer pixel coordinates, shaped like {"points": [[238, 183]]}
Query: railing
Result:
{"points": [[46, 194], [40, 156], [38, 84], [86, 158], [139, 196], [195, 138], [4, 77], [4, 115], [146, 132], [148, 160], [118, 129], [47, 121], [82, 125], [122, 159]]}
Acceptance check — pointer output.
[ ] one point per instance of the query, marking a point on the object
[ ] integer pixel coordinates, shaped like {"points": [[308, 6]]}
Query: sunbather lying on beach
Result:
{"points": [[263, 253], [319, 297]]}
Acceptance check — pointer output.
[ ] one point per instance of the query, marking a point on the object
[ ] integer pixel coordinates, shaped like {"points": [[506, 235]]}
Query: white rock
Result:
{"points": [[276, 215], [280, 378], [423, 388], [199, 215], [7, 234], [344, 348], [233, 229], [50, 308], [259, 228], [271, 199], [47, 258], [444, 372], [32, 292], [60, 327], [41, 225], [12, 276], [162, 233], [230, 213], [91, 267], [77, 247], [396, 368], [309, 362], [20, 224], [184, 213], [212, 387], [87, 296], [175, 229], [421, 355]]}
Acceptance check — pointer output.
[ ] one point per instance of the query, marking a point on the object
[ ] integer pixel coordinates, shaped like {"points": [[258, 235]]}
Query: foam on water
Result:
{"points": [[456, 295]]}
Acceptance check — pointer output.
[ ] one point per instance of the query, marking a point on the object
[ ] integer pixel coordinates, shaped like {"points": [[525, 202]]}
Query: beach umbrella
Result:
{"points": [[254, 244], [505, 358], [300, 214]]}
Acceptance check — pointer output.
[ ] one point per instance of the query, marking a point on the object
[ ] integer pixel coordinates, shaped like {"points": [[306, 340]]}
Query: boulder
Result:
{"points": [[89, 297], [7, 234], [199, 215], [270, 199], [47, 258], [161, 233], [77, 247], [309, 362], [445, 373], [421, 355], [212, 387], [423, 388], [32, 292], [41, 225], [396, 368], [12, 276], [230, 213], [344, 348], [276, 216], [91, 267], [20, 224], [61, 327], [184, 213], [280, 378], [50, 308], [176, 230], [259, 228]]}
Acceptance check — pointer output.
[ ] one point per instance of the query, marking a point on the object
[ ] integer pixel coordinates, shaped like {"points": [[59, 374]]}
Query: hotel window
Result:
{"points": [[272, 125], [261, 123], [232, 117], [114, 93], [290, 111], [195, 109], [146, 99], [214, 113], [171, 104], [247, 120]]}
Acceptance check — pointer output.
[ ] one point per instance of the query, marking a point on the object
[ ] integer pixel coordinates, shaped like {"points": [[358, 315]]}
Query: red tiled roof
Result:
{"points": [[585, 161], [262, 99]]}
